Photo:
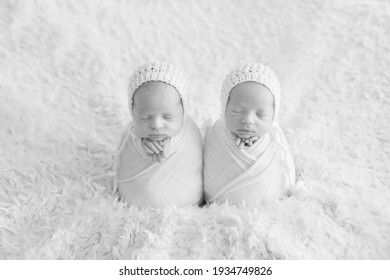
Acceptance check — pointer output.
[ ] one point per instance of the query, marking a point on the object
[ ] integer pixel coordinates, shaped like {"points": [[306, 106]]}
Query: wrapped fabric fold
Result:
{"points": [[259, 173], [176, 180]]}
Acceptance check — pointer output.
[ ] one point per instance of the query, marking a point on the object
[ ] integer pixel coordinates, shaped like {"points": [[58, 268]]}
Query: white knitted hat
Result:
{"points": [[157, 71], [254, 72]]}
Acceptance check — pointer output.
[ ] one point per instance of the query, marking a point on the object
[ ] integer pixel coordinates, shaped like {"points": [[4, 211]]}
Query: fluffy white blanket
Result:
{"points": [[63, 106]]}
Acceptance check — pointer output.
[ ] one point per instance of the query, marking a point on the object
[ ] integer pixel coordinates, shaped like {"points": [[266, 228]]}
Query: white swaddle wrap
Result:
{"points": [[176, 180], [262, 172]]}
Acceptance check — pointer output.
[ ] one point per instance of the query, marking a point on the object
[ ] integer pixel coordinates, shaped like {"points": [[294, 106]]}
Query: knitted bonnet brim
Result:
{"points": [[159, 72], [255, 72]]}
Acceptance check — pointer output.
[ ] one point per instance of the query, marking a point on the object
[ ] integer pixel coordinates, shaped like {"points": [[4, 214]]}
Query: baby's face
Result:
{"points": [[157, 111], [250, 110]]}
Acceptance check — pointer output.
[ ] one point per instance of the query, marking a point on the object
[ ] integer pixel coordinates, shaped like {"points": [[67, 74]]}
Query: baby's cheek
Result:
{"points": [[175, 129], [230, 123], [267, 126], [176, 125], [262, 128], [140, 130]]}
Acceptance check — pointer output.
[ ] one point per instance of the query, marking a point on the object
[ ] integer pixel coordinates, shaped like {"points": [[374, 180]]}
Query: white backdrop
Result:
{"points": [[64, 67]]}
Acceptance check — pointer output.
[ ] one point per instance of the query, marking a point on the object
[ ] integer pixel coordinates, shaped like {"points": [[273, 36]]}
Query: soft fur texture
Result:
{"points": [[63, 79]]}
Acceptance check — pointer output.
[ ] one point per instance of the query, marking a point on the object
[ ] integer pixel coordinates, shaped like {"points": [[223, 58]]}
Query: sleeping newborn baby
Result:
{"points": [[159, 158], [246, 156]]}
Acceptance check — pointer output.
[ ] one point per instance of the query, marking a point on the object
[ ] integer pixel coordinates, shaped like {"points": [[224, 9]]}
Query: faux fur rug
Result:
{"points": [[63, 78]]}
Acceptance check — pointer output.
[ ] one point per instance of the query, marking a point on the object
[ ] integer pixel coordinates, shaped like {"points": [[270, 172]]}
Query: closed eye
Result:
{"points": [[236, 111], [168, 116]]}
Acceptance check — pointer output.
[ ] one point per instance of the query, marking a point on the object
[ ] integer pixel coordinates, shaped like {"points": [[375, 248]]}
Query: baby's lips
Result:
{"points": [[245, 134], [160, 137]]}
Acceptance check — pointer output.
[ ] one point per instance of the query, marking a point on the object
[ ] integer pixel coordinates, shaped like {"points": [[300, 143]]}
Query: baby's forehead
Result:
{"points": [[251, 86], [156, 97], [156, 89], [155, 86], [251, 92]]}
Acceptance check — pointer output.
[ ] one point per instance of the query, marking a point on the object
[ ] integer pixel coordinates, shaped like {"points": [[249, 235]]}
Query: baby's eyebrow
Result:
{"points": [[249, 105], [263, 109]]}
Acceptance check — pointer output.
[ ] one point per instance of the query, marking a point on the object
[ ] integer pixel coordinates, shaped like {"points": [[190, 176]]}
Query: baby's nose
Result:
{"points": [[156, 123], [248, 118]]}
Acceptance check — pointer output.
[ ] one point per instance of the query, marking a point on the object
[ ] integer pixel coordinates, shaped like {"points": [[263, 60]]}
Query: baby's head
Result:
{"points": [[156, 101], [250, 100]]}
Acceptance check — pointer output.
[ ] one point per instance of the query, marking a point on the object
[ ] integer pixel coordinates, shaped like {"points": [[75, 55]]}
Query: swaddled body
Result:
{"points": [[159, 158], [246, 156], [177, 179], [251, 174]]}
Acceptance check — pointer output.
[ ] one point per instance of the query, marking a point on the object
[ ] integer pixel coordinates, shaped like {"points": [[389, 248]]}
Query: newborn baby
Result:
{"points": [[159, 159], [246, 156]]}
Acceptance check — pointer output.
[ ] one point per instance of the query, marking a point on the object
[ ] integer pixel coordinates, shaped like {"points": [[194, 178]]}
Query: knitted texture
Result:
{"points": [[157, 71], [255, 72]]}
